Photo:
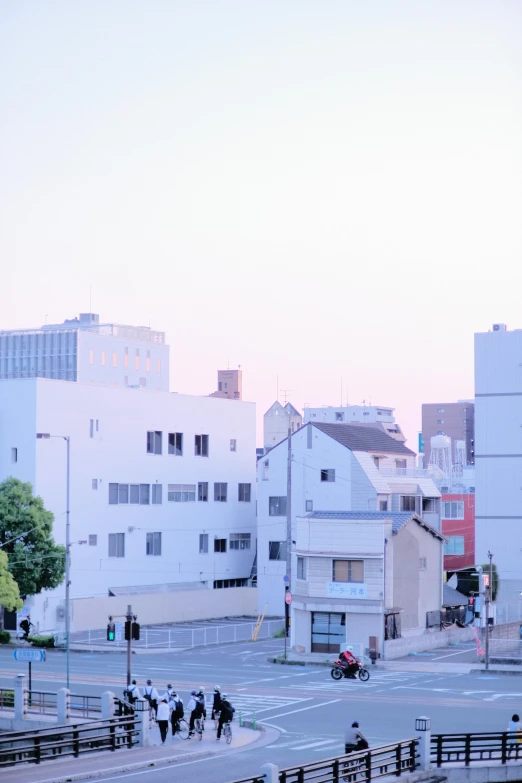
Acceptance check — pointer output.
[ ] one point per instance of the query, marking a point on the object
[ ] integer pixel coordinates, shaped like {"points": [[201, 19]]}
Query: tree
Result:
{"points": [[34, 560], [9, 592]]}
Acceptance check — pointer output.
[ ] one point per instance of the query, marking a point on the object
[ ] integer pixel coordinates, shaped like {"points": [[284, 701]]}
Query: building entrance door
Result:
{"points": [[328, 631]]}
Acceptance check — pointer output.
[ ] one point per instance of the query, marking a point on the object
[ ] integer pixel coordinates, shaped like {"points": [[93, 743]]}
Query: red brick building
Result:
{"points": [[458, 527]]}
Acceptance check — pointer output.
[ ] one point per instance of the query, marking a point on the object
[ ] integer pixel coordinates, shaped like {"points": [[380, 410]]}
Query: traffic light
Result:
{"points": [[127, 630], [111, 630], [132, 630], [471, 604], [135, 630]]}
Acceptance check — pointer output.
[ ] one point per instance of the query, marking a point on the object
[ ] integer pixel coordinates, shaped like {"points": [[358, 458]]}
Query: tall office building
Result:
{"points": [[87, 351]]}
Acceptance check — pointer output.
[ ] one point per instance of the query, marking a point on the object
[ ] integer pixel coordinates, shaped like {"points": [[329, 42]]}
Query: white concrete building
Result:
{"points": [[276, 421], [162, 485], [356, 414], [363, 574], [87, 351], [335, 467], [498, 455]]}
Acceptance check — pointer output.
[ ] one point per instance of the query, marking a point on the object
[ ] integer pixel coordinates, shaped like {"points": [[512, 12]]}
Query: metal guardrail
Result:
{"points": [[45, 744], [84, 706], [40, 702], [360, 767], [478, 747]]}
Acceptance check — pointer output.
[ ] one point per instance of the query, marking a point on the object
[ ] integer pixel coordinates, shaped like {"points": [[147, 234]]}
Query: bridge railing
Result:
{"points": [[40, 702], [44, 744], [499, 746]]}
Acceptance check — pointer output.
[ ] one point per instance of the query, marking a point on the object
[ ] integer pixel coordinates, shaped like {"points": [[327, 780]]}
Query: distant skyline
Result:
{"points": [[315, 191]]}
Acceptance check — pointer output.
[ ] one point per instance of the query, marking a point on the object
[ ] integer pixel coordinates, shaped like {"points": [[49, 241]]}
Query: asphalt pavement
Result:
{"points": [[305, 709]]}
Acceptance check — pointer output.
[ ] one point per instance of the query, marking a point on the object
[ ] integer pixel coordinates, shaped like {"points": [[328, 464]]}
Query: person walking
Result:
{"points": [[216, 706], [133, 693], [163, 719], [176, 711], [151, 695]]}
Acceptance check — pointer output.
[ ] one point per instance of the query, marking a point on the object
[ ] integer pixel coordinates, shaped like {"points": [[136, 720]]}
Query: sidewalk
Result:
{"points": [[91, 766]]}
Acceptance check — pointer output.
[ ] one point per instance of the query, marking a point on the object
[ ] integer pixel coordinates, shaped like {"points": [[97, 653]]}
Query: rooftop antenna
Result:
{"points": [[277, 388], [285, 392], [341, 391], [90, 298]]}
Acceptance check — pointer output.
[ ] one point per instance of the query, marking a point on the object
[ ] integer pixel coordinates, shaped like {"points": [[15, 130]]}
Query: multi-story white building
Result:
{"points": [[335, 467], [356, 414], [87, 351], [162, 485], [498, 455]]}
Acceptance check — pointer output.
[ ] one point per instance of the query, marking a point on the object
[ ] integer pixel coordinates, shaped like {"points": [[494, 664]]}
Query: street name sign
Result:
{"points": [[29, 656]]}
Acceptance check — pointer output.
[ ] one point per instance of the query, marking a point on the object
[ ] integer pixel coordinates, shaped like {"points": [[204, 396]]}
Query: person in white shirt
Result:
{"points": [[515, 733], [354, 739], [151, 695], [163, 719], [176, 711], [134, 692]]}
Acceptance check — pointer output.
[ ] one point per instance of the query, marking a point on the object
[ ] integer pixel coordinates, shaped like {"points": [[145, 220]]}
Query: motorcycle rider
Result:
{"points": [[349, 663], [354, 739]]}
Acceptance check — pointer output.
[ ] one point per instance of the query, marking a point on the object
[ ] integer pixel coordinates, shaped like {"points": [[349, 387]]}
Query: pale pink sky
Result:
{"points": [[313, 190]]}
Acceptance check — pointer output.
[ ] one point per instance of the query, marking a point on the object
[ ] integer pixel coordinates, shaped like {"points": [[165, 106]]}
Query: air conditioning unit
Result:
{"points": [[499, 328], [130, 530], [472, 490], [60, 612]]}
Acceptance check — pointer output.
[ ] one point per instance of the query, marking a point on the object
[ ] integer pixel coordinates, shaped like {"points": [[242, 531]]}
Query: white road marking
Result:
{"points": [[303, 709], [313, 745]]}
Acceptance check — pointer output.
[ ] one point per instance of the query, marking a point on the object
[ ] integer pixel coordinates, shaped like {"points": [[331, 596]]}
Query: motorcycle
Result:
{"points": [[338, 672]]}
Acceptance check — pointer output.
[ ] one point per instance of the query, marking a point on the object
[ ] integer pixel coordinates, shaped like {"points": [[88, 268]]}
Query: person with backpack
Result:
{"points": [[133, 693], [195, 707], [176, 711], [226, 715], [151, 695], [216, 706]]}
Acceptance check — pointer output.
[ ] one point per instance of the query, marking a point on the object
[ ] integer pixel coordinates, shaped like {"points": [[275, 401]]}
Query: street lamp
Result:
{"points": [[67, 439]]}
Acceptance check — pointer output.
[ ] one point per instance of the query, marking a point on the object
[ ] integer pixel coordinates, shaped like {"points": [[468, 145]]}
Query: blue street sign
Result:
{"points": [[29, 656], [285, 579]]}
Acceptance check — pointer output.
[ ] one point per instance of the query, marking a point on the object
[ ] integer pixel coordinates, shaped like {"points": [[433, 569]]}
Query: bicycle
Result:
{"points": [[21, 636], [199, 727], [181, 727], [227, 732]]}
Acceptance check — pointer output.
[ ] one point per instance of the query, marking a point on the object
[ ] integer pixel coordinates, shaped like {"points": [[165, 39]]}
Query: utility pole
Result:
{"points": [[288, 525], [68, 566], [489, 593], [128, 618]]}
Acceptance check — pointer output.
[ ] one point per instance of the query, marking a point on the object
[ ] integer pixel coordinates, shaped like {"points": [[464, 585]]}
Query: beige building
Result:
{"points": [[361, 575], [276, 422], [230, 385]]}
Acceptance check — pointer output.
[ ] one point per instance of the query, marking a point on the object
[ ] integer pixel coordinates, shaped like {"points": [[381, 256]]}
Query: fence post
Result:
{"points": [[192, 637], [271, 773], [142, 726], [19, 696], [107, 705], [423, 726], [146, 638], [63, 706], [169, 638], [235, 633]]}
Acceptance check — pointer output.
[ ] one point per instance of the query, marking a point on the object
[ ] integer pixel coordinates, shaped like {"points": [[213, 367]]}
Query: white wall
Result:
{"points": [[117, 453], [498, 455], [99, 373], [349, 413]]}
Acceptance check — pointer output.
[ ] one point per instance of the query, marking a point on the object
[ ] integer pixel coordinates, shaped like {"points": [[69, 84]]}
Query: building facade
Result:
{"points": [[87, 351], [230, 385], [361, 575], [356, 414], [162, 485], [498, 420], [458, 528], [456, 420], [339, 468], [276, 422]]}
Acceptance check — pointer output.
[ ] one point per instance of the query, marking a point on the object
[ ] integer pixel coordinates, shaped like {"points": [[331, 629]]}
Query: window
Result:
{"points": [[220, 492], [176, 443], [94, 484], [266, 466], [440, 410], [113, 494], [93, 540], [137, 363], [91, 428], [453, 509], [339, 416], [203, 543], [114, 359], [454, 545], [309, 435], [123, 493], [147, 363], [407, 502], [153, 544], [116, 544], [91, 356], [277, 506], [430, 505], [440, 421], [348, 571], [240, 541], [201, 445], [383, 505], [135, 494], [376, 461], [440, 432], [309, 505], [220, 545], [157, 494], [154, 439], [301, 570], [182, 493], [158, 366], [14, 454], [143, 382], [277, 550], [233, 444], [327, 474], [203, 491], [423, 563], [400, 464], [144, 494], [103, 358], [221, 583], [243, 493], [97, 425], [126, 359]]}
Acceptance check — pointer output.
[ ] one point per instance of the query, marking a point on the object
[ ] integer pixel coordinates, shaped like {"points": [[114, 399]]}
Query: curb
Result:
{"points": [[506, 672], [326, 664]]}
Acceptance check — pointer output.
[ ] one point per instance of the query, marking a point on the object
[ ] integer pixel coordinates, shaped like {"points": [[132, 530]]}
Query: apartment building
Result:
{"points": [[380, 416], [455, 420]]}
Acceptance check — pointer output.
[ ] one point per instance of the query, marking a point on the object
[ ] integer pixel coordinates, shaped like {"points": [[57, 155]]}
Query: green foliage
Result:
{"points": [[35, 561], [9, 592], [5, 637], [8, 698], [42, 641], [474, 581], [279, 634]]}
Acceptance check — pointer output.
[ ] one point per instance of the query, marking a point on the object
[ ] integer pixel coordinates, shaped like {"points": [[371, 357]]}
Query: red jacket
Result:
{"points": [[348, 657]]}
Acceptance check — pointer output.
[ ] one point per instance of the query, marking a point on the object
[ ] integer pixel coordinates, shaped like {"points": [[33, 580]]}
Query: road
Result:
{"points": [[306, 707]]}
